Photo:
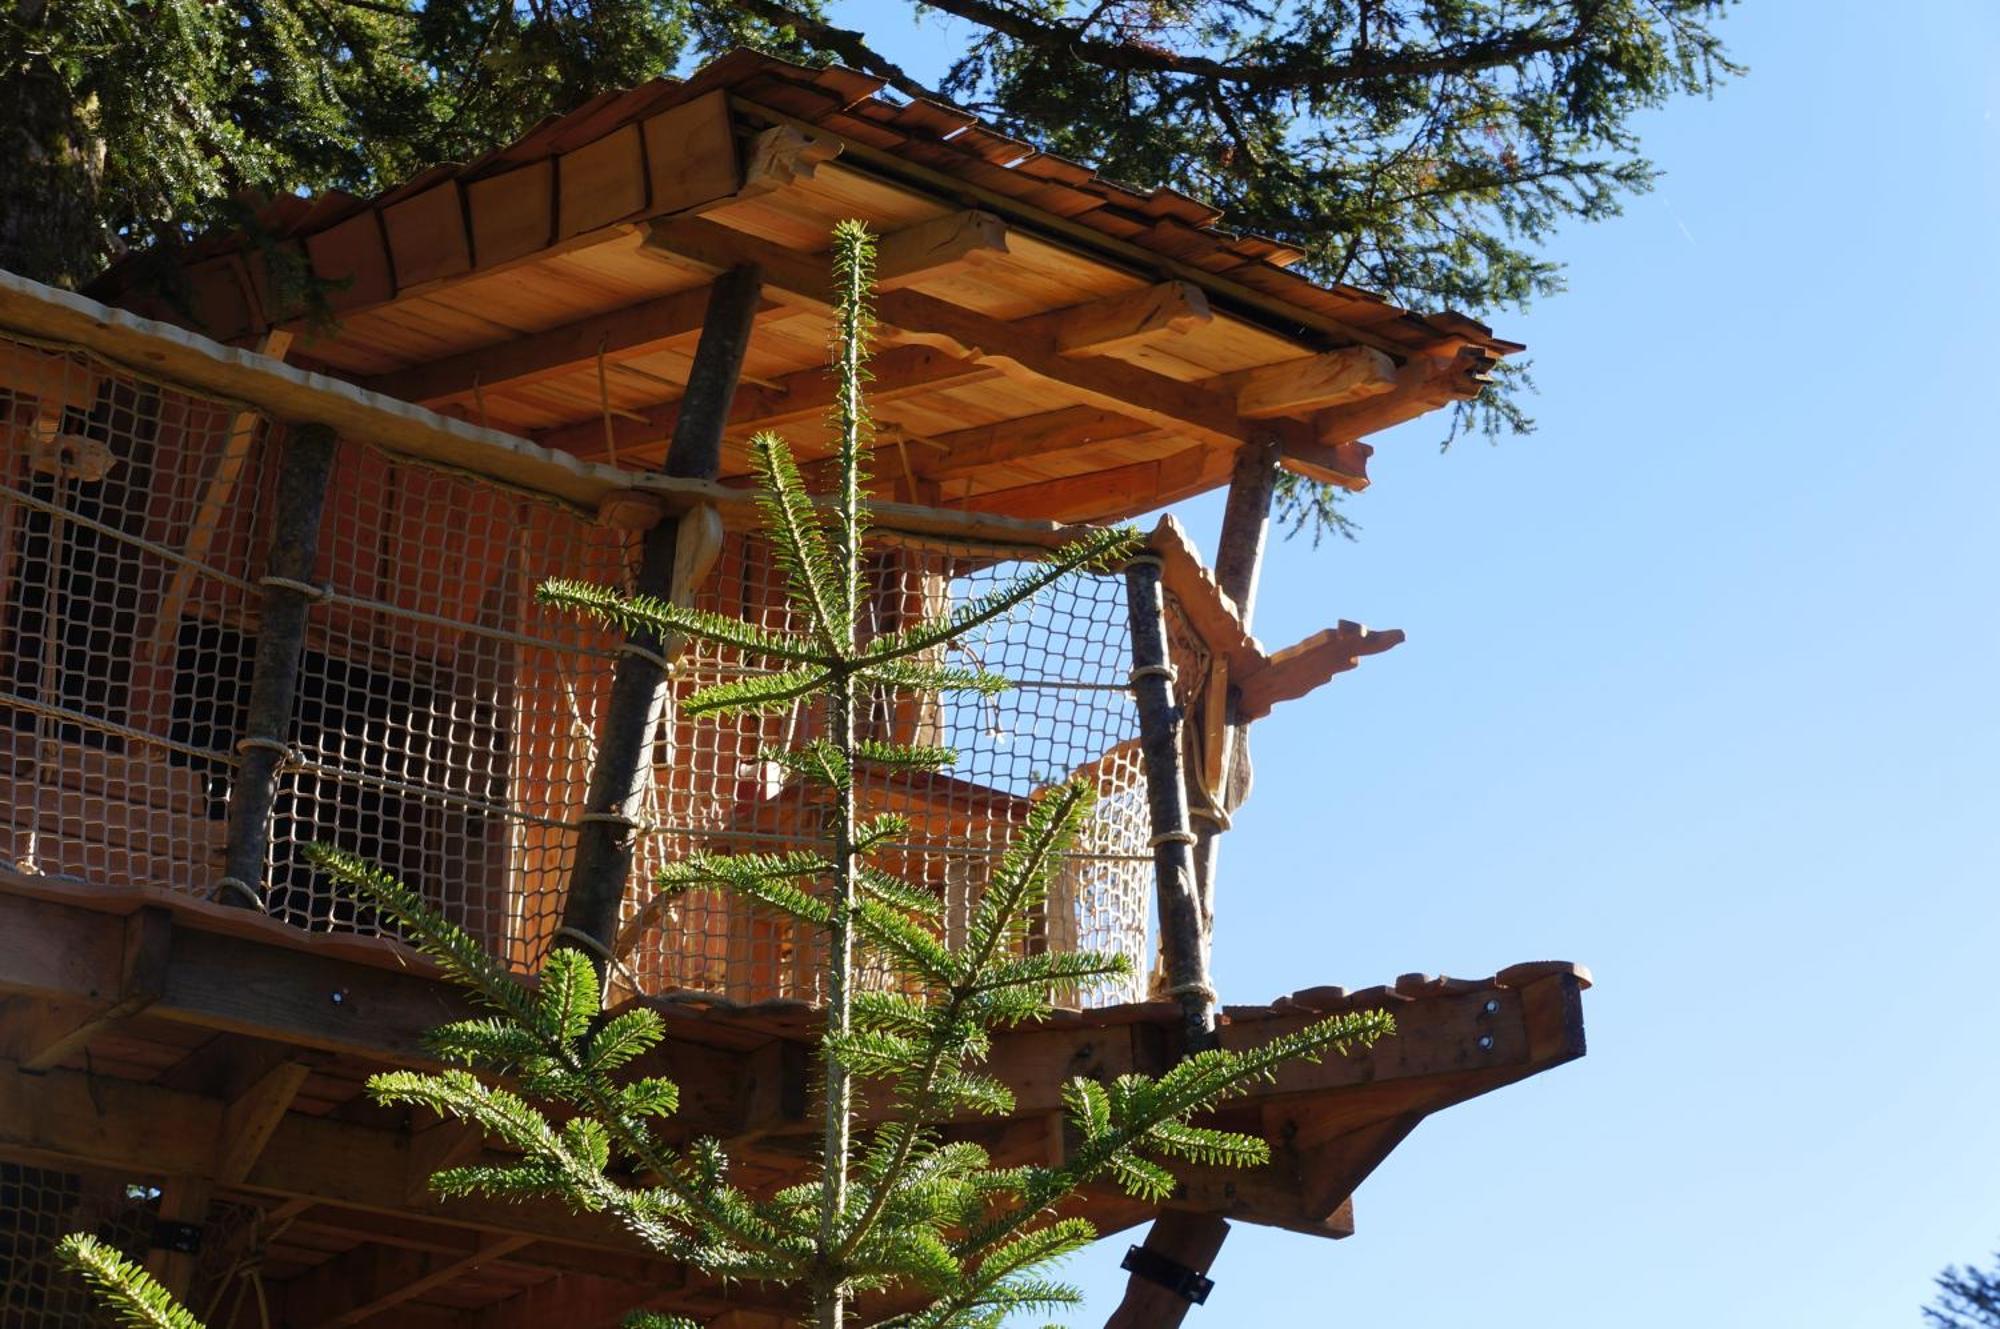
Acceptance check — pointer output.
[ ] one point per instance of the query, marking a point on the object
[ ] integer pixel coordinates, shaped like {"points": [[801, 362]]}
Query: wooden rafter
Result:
{"points": [[662, 323], [1030, 437], [371, 1279], [804, 395]]}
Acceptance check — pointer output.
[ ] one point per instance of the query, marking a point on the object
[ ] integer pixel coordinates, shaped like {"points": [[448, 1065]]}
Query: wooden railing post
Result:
{"points": [[304, 473], [1239, 562], [608, 839], [1183, 946]]}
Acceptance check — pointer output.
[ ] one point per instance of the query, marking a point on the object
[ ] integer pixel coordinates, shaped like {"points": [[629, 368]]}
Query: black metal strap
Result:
{"points": [[180, 1238], [1185, 1283]]}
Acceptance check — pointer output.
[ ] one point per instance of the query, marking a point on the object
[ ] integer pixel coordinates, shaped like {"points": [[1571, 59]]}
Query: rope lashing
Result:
{"points": [[310, 590], [243, 890], [255, 744], [646, 653], [1166, 671], [612, 964], [1172, 837]]}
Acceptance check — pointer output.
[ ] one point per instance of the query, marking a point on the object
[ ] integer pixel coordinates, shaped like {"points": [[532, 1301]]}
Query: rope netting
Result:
{"points": [[445, 724], [40, 1206]]}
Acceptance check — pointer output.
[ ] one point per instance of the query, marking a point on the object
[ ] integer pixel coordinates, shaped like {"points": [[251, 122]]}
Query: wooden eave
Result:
{"points": [[142, 1031], [1053, 345]]}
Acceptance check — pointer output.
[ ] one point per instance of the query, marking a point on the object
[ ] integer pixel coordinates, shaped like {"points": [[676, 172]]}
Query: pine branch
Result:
{"points": [[132, 1294], [664, 618], [792, 524]]}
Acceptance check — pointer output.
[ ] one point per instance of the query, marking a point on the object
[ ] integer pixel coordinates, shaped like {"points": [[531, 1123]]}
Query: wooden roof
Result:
{"points": [[1053, 344]]}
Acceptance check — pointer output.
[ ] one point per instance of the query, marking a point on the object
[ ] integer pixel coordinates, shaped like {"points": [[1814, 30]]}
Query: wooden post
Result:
{"points": [[1239, 562], [1246, 524], [1182, 943], [1178, 1239], [607, 841], [303, 478]]}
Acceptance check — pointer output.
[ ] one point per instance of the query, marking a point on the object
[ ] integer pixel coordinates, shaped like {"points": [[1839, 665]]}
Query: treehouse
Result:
{"points": [[269, 537]]}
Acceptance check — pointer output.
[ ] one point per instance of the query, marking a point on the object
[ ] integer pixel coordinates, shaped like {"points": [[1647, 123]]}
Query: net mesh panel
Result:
{"points": [[123, 505], [1070, 715], [39, 1207], [445, 723]]}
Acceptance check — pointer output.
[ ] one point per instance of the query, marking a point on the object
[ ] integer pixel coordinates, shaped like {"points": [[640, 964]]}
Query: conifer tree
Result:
{"points": [[899, 1208], [1967, 1298]]}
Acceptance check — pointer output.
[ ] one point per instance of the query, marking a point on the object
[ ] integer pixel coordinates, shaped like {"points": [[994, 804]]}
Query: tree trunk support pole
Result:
{"points": [[1182, 945], [1184, 1240], [608, 839], [1239, 563], [1181, 1242], [303, 478]]}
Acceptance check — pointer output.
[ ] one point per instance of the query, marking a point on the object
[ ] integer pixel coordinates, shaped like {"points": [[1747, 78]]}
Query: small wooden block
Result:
{"points": [[427, 236], [602, 182], [511, 213], [353, 253], [691, 154], [221, 298]]}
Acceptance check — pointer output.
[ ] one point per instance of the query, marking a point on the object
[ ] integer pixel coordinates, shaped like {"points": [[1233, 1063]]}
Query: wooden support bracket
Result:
{"points": [[42, 1034], [249, 1120]]}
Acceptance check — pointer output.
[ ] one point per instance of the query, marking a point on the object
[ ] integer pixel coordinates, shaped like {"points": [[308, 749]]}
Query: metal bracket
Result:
{"points": [[1185, 1283], [172, 1235]]}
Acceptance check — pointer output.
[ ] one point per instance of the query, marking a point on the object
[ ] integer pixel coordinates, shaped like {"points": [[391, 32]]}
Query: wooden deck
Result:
{"points": [[222, 1054]]}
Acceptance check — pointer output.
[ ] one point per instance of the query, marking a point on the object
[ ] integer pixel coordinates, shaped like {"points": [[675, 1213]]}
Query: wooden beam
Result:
{"points": [[651, 325], [947, 246], [1107, 495], [445, 1144], [69, 1119], [216, 493], [1125, 322], [1331, 378], [1189, 1240], [1342, 464], [1030, 437], [183, 1199], [1306, 1188], [1453, 372], [250, 1118], [804, 395], [575, 1299], [39, 1035], [370, 1279], [1300, 668]]}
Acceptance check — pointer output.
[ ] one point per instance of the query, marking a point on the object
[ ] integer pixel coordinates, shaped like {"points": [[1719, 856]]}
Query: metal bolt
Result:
{"points": [[338, 996], [1493, 1005], [1486, 1042]]}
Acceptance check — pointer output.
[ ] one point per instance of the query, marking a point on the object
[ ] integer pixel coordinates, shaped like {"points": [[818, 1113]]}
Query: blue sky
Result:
{"points": [[1702, 689]]}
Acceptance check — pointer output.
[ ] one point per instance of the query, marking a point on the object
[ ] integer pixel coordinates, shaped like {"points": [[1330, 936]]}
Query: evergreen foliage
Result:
{"points": [[899, 1207], [1966, 1299], [1426, 149], [133, 1296]]}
